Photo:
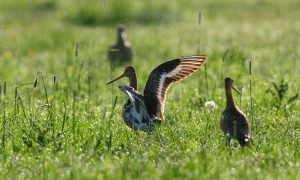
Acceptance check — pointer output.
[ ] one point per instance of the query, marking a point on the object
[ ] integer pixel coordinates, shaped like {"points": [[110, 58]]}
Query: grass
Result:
{"points": [[67, 124], [112, 12]]}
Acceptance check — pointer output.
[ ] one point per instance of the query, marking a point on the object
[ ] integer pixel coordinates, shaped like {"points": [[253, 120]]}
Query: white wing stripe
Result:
{"points": [[160, 86], [177, 71], [187, 66]]}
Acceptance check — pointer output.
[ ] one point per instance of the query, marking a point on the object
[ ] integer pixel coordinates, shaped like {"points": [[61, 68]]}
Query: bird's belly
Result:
{"points": [[227, 124], [134, 119]]}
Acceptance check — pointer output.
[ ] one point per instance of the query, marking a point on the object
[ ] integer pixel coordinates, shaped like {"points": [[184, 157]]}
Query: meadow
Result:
{"points": [[59, 119]]}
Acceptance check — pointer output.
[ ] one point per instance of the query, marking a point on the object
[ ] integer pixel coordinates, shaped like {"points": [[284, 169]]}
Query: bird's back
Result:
{"points": [[234, 123], [120, 52]]}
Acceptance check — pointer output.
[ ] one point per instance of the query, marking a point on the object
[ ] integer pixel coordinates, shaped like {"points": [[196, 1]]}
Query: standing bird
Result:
{"points": [[121, 51], [234, 122], [142, 112]]}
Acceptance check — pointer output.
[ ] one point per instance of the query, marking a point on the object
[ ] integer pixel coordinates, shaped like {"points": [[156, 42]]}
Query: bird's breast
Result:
{"points": [[134, 119]]}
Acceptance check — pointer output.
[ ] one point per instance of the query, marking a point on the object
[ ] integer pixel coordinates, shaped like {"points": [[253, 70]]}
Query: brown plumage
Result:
{"points": [[130, 73], [121, 51], [140, 112], [234, 122], [163, 76]]}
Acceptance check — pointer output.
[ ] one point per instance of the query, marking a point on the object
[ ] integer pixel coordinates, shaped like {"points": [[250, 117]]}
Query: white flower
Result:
{"points": [[210, 106]]}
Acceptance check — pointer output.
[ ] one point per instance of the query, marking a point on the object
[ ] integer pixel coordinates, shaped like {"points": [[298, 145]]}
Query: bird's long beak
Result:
{"points": [[120, 77], [234, 88]]}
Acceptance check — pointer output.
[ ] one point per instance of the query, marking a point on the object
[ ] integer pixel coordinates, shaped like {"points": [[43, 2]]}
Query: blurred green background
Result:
{"points": [[40, 36]]}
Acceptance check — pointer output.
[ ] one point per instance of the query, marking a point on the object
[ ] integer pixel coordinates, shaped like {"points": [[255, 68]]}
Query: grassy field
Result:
{"points": [[68, 126]]}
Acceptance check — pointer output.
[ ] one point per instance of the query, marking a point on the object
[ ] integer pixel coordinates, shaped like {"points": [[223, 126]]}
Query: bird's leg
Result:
{"points": [[228, 140]]}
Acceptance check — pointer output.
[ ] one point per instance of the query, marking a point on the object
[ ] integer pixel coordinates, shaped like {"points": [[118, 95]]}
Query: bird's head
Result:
{"points": [[128, 72], [121, 32], [229, 84], [120, 29]]}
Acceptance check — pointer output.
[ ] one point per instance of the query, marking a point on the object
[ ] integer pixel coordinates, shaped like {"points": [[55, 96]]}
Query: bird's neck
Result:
{"points": [[229, 99], [133, 80], [121, 39]]}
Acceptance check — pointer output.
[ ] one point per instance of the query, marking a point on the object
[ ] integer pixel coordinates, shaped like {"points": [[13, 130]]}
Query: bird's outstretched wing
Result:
{"points": [[163, 76]]}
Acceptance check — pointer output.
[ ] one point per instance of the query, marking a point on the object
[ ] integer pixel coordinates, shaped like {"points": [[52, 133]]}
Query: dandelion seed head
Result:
{"points": [[210, 105]]}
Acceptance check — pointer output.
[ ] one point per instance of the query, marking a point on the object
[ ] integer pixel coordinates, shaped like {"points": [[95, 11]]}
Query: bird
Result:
{"points": [[142, 112], [234, 122], [121, 51]]}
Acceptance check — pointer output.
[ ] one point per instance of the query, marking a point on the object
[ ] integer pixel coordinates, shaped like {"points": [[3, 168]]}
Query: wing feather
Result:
{"points": [[163, 76]]}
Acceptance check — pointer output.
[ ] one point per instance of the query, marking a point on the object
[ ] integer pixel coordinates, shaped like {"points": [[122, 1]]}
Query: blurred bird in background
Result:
{"points": [[121, 51]]}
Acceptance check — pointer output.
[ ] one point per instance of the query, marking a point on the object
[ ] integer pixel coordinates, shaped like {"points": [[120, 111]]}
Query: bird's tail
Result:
{"points": [[246, 142]]}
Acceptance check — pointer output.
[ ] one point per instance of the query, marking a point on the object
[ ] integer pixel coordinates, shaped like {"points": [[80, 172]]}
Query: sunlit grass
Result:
{"points": [[114, 12], [69, 125]]}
